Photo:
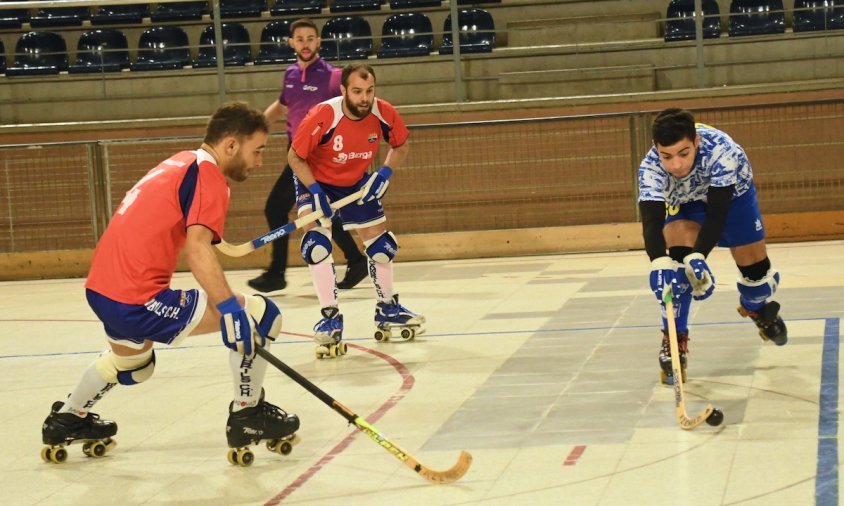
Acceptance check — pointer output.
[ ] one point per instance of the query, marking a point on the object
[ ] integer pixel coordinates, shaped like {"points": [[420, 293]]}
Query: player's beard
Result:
{"points": [[237, 170], [358, 112], [310, 58]]}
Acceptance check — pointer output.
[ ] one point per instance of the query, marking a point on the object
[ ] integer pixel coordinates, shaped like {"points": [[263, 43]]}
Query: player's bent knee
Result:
{"points": [[126, 370], [383, 248], [757, 291], [266, 314], [316, 245]]}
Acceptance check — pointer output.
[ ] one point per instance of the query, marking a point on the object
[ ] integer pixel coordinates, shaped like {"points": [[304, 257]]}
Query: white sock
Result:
{"points": [[325, 283], [382, 278], [248, 376], [90, 389]]}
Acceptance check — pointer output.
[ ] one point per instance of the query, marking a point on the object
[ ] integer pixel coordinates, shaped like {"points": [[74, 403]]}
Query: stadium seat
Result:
{"points": [[101, 51], [241, 8], [13, 18], [59, 16], [296, 7], [237, 49], [346, 38], [39, 53], [355, 5], [472, 2], [2, 58], [414, 4], [120, 14], [477, 32], [814, 15], [179, 11], [274, 47], [756, 17], [680, 20], [162, 48], [406, 34]]}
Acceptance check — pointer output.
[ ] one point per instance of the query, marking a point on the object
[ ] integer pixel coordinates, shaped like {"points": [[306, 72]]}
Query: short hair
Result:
{"points": [[364, 70], [673, 125], [237, 119], [303, 23]]}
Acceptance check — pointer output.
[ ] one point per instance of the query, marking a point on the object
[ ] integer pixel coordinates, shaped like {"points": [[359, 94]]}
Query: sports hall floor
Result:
{"points": [[543, 367]]}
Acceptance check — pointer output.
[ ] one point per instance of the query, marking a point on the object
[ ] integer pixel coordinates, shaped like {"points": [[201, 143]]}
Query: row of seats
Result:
{"points": [[167, 47], [752, 17], [178, 11]]}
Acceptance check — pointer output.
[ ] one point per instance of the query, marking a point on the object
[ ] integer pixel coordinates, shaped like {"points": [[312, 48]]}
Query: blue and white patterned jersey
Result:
{"points": [[719, 162]]}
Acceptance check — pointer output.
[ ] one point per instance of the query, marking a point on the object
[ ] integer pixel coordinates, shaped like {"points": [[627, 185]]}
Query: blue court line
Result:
{"points": [[826, 482]]}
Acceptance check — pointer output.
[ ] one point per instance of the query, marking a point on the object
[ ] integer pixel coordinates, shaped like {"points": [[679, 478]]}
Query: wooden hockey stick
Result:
{"points": [[239, 250], [676, 368], [455, 473]]}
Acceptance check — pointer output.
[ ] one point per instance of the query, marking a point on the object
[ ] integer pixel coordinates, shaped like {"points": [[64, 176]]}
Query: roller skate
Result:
{"points": [[60, 429], [328, 334], [767, 319], [391, 316], [666, 374], [264, 421]]}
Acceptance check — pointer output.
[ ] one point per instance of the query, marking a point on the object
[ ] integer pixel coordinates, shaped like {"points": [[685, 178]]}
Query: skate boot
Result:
{"points": [[60, 429], [666, 374], [328, 334], [392, 315], [265, 421], [771, 327]]}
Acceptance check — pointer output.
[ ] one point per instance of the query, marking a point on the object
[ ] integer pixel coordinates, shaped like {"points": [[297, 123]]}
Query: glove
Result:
{"points": [[376, 186], [238, 328], [701, 278], [664, 272], [321, 202]]}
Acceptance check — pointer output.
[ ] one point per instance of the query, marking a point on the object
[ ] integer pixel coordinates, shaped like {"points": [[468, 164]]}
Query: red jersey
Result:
{"points": [[136, 256], [339, 150]]}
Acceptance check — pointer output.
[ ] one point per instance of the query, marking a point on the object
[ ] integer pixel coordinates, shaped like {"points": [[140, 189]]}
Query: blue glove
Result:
{"points": [[701, 278], [321, 202], [376, 186], [238, 328], [664, 272]]}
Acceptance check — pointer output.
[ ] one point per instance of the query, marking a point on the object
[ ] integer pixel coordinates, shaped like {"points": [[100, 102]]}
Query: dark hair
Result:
{"points": [[237, 119], [673, 125], [303, 23], [364, 70]]}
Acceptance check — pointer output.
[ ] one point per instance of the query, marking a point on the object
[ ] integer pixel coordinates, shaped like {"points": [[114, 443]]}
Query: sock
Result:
{"points": [[382, 278], [248, 376], [325, 283], [90, 389]]}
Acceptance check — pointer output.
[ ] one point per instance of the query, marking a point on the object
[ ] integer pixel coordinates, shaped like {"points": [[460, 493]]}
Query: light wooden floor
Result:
{"points": [[544, 368]]}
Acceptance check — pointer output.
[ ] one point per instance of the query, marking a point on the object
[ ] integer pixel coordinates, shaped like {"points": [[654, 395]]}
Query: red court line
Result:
{"points": [[407, 384], [575, 454]]}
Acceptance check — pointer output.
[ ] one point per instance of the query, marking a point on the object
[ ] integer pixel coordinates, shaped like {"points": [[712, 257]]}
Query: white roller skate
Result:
{"points": [[60, 429], [263, 422], [328, 334], [391, 316]]}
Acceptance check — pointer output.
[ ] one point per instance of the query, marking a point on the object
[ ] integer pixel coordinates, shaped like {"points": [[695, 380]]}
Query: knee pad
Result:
{"points": [[316, 245], [266, 314], [383, 248], [757, 292], [126, 370]]}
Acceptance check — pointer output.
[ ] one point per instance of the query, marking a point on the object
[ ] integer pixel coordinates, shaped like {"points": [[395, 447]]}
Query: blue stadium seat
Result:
{"points": [[39, 53], [296, 7], [101, 51], [274, 47], [680, 23], [406, 34], [59, 16], [241, 8], [237, 48], [477, 32], [120, 14], [814, 15], [2, 58], [346, 38], [179, 11], [162, 48], [756, 17], [13, 18], [473, 2], [414, 4], [355, 5]]}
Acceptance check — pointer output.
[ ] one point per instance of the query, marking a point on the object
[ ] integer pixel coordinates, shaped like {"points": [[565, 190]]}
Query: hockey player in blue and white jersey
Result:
{"points": [[695, 191]]}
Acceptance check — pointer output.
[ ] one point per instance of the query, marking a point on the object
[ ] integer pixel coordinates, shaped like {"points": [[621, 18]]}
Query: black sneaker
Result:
{"points": [[268, 282], [355, 273]]}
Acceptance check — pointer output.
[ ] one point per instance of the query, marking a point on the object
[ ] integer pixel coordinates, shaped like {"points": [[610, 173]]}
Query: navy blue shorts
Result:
{"points": [[167, 318], [744, 221], [353, 215]]}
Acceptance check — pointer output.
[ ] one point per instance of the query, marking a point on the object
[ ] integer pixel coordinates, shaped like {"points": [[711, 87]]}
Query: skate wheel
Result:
{"points": [[231, 456], [245, 457], [45, 453], [382, 336], [58, 455], [284, 448], [332, 351], [408, 334], [342, 348], [94, 450]]}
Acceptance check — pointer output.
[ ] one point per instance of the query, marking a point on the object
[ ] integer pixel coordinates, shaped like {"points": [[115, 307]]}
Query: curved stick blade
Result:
{"points": [[448, 476]]}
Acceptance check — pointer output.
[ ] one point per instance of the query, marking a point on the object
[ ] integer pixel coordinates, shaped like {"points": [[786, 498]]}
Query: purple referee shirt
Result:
{"points": [[305, 88]]}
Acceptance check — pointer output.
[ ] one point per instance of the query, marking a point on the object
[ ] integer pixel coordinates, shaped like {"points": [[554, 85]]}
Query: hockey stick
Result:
{"points": [[455, 473], [239, 250], [679, 400]]}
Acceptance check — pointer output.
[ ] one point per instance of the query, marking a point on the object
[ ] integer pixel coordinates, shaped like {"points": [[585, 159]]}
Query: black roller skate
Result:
{"points": [[265, 421], [60, 429], [666, 375], [392, 315], [328, 334], [771, 327]]}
